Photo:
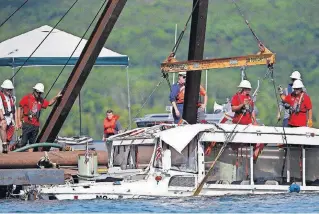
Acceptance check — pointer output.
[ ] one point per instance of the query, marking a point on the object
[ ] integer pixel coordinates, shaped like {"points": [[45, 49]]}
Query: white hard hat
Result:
{"points": [[39, 87], [182, 73], [244, 84], [7, 84], [297, 84], [295, 75]]}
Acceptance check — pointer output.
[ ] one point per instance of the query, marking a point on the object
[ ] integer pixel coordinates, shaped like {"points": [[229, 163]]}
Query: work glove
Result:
{"points": [[280, 89], [309, 124]]}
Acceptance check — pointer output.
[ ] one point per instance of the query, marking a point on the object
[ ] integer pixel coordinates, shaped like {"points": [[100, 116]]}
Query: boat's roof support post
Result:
{"points": [[200, 162], [303, 166], [251, 165], [288, 164]]}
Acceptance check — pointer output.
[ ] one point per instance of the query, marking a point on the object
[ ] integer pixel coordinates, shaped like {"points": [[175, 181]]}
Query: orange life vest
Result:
{"points": [[6, 105], [110, 124], [181, 94]]}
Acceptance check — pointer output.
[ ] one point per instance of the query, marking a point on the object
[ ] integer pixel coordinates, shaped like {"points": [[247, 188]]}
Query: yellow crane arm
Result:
{"points": [[265, 57]]}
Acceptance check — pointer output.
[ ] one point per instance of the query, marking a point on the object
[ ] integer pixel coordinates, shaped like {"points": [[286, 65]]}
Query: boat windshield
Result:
{"points": [[185, 162]]}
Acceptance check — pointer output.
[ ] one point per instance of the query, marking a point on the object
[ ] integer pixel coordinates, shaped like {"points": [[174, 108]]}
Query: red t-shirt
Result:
{"points": [[299, 119], [28, 102], [238, 99]]}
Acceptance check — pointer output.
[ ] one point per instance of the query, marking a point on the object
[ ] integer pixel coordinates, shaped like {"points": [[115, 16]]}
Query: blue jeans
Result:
{"points": [[285, 122], [180, 109]]}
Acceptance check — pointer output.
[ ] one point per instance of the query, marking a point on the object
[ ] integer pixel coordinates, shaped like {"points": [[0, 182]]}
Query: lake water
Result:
{"points": [[292, 202]]}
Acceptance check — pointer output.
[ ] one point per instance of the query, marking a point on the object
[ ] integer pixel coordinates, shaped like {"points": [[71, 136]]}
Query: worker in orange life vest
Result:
{"points": [[29, 111], [7, 114], [243, 105], [177, 95], [300, 105], [111, 125]]}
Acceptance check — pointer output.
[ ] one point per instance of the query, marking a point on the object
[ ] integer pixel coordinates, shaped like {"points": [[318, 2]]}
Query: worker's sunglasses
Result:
{"points": [[9, 89], [38, 92]]}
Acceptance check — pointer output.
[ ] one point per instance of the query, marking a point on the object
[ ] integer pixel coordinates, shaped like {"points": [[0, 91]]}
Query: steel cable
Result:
{"points": [[56, 79], [7, 19]]}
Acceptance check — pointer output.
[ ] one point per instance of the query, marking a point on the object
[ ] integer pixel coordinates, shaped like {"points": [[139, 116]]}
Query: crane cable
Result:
{"points": [[247, 23], [7, 19], [56, 79], [178, 41], [44, 39]]}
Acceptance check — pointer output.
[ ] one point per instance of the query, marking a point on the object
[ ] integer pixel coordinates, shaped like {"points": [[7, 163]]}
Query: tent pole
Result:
{"points": [[80, 112], [13, 94], [128, 98]]}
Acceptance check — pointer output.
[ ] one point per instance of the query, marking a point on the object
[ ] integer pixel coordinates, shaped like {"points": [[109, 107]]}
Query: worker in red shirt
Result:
{"points": [[300, 105], [29, 111], [243, 105]]}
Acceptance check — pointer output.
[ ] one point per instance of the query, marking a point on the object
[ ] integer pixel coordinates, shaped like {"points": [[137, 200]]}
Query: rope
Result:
{"points": [[229, 138], [284, 139], [56, 79], [7, 19], [44, 39], [178, 41], [247, 23], [165, 76]]}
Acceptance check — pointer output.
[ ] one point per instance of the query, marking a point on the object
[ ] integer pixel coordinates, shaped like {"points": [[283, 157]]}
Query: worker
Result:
{"points": [[111, 127], [7, 114], [177, 95], [300, 106], [284, 106], [243, 105], [111, 124], [29, 112]]}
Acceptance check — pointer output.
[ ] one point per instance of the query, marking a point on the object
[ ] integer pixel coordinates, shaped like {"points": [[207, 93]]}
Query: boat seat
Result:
{"points": [[315, 183], [271, 182], [218, 182], [245, 182], [109, 179], [236, 182]]}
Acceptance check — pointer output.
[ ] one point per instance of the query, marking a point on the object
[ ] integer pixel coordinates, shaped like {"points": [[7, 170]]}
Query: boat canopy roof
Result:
{"points": [[179, 137]]}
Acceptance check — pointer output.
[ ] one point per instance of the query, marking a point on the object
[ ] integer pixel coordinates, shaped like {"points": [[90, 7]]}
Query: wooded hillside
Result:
{"points": [[145, 32]]}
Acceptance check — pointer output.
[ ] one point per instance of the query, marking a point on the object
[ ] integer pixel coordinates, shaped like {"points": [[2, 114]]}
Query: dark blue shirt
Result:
{"points": [[175, 90]]}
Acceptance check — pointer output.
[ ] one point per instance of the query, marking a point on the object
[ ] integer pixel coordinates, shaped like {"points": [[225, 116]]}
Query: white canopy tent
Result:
{"points": [[54, 51]]}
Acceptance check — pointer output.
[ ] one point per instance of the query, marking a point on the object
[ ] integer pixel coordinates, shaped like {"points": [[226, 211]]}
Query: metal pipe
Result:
{"points": [[288, 164], [128, 99], [206, 83], [251, 165], [303, 166], [22, 160]]}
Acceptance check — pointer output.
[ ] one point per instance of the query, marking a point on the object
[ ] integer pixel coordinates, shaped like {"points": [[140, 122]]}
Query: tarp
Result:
{"points": [[54, 51]]}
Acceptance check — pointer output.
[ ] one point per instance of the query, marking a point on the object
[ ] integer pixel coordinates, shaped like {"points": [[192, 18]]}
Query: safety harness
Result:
{"points": [[31, 114], [6, 104]]}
